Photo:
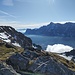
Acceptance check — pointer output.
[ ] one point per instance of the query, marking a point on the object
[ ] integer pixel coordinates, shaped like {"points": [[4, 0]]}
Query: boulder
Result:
{"points": [[30, 54], [38, 47], [7, 70], [32, 49], [9, 45], [18, 62], [70, 54]]}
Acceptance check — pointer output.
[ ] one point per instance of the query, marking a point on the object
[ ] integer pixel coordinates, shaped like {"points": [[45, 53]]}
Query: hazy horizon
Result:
{"points": [[35, 13]]}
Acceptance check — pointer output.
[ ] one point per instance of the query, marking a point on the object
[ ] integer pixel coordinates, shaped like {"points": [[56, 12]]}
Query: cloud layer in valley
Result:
{"points": [[58, 48]]}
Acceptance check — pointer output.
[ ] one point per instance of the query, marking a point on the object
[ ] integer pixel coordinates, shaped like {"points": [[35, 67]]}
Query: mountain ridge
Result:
{"points": [[10, 35], [54, 29]]}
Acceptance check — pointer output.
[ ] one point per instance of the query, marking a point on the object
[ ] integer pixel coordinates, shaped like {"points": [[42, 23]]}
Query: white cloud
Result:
{"points": [[12, 24], [8, 2], [62, 22], [18, 25], [5, 13], [58, 48], [37, 25], [31, 26]]}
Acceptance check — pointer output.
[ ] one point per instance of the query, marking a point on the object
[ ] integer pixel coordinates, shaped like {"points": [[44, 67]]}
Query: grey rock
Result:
{"points": [[7, 70], [18, 61], [70, 54], [48, 66], [30, 54]]}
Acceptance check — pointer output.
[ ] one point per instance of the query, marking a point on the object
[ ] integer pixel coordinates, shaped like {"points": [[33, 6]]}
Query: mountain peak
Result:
{"points": [[51, 23]]}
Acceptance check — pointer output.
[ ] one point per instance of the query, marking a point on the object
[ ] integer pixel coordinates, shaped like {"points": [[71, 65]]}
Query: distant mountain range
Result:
{"points": [[54, 29]]}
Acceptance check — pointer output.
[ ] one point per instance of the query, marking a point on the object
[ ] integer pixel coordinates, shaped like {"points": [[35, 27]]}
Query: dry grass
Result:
{"points": [[57, 58], [5, 52], [69, 64]]}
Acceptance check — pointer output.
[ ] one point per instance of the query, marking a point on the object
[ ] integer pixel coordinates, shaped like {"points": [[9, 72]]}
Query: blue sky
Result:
{"points": [[35, 13]]}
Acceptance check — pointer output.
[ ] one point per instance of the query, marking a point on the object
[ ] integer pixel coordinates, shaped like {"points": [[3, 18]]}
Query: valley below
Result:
{"points": [[44, 41]]}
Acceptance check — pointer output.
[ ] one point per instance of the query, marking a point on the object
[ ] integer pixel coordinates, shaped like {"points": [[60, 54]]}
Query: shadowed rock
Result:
{"points": [[48, 66], [7, 70], [18, 61], [30, 54]]}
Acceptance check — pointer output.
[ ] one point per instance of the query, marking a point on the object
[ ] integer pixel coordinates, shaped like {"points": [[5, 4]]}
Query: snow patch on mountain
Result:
{"points": [[58, 48], [16, 44], [4, 36]]}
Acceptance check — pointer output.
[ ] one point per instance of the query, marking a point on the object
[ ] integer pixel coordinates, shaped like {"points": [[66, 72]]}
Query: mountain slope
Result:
{"points": [[30, 60], [41, 62], [54, 29], [69, 55], [10, 35], [8, 49]]}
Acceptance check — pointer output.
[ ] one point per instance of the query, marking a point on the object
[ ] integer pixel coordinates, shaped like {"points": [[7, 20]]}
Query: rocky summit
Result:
{"points": [[10, 35], [15, 60]]}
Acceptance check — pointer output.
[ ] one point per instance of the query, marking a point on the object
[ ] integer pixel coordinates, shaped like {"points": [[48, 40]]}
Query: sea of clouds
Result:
{"points": [[58, 48]]}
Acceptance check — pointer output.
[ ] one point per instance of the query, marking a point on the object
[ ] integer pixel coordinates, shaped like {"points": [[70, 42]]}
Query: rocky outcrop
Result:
{"points": [[9, 34], [54, 29], [30, 54], [41, 62], [38, 47], [7, 70], [70, 54], [48, 66]]}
